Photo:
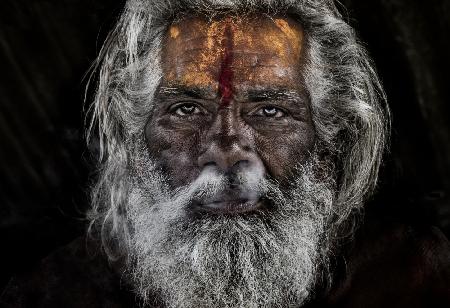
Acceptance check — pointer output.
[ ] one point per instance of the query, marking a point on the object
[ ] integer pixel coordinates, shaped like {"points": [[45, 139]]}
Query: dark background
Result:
{"points": [[46, 47]]}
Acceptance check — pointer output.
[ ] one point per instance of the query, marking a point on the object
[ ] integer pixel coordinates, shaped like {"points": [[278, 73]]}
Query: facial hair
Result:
{"points": [[266, 258]]}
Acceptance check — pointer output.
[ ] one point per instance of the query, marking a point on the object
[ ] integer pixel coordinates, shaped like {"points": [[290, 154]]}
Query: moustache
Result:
{"points": [[224, 193]]}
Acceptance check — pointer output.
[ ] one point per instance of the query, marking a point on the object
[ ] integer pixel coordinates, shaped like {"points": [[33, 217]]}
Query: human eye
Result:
{"points": [[185, 109], [270, 112]]}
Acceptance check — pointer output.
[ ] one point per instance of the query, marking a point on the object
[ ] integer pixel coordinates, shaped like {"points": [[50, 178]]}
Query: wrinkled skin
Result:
{"points": [[231, 97]]}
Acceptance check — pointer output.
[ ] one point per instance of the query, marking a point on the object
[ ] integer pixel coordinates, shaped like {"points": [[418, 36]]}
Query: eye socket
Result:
{"points": [[271, 112], [185, 109]]}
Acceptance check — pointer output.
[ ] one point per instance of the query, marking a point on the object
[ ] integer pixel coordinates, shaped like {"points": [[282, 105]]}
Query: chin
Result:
{"points": [[235, 252]]}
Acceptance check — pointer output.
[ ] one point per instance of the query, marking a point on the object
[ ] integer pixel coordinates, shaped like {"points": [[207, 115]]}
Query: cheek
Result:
{"points": [[174, 151], [281, 152]]}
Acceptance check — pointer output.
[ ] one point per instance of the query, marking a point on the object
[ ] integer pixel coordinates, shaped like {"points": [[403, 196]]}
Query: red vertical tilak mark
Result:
{"points": [[226, 71]]}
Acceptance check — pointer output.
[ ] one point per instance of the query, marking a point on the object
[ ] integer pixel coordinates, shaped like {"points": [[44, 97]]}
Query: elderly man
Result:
{"points": [[239, 141]]}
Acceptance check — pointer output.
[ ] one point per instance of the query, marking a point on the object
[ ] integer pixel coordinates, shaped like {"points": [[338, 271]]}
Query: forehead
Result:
{"points": [[258, 51]]}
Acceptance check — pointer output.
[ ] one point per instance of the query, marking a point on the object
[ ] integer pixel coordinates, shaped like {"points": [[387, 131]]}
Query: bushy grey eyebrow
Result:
{"points": [[175, 91], [250, 95], [273, 94]]}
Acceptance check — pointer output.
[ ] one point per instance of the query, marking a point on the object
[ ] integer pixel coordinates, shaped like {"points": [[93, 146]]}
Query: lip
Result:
{"points": [[237, 206]]}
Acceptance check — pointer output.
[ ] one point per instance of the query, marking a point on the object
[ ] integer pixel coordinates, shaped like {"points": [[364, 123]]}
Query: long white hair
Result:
{"points": [[348, 103]]}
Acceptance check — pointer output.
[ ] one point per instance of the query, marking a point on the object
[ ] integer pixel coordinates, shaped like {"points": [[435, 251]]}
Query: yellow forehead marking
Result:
{"points": [[196, 73], [294, 35], [174, 32], [246, 36]]}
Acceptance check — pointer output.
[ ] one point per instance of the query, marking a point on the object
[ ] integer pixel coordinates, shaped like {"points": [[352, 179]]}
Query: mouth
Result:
{"points": [[237, 206]]}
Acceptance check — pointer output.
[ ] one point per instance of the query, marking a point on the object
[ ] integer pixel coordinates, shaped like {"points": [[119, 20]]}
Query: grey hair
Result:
{"points": [[348, 103]]}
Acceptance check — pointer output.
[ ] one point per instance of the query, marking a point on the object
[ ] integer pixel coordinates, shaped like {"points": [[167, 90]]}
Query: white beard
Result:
{"points": [[265, 259]]}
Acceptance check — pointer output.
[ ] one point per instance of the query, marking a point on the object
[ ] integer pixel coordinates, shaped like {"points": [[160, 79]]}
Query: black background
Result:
{"points": [[46, 47]]}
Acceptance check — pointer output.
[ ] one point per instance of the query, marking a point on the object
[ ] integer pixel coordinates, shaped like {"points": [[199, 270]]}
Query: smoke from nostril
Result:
{"points": [[213, 185], [254, 183]]}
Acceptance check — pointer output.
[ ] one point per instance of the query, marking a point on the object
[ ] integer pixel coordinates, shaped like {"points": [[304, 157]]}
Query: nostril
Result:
{"points": [[209, 164], [227, 159]]}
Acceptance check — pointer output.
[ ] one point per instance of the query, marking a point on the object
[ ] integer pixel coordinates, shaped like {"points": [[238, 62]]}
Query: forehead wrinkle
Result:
{"points": [[190, 39], [262, 51]]}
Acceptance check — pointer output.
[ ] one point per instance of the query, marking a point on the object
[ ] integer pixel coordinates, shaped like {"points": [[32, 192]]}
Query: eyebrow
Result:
{"points": [[250, 95], [175, 91], [273, 94]]}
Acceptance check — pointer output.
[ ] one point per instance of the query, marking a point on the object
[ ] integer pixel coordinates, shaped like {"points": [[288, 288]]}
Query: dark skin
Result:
{"points": [[231, 97]]}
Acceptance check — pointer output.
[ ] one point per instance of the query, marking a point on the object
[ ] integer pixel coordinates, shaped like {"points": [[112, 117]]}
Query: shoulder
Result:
{"points": [[396, 266], [69, 277]]}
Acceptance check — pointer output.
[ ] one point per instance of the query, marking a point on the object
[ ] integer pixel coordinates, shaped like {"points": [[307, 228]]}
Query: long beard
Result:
{"points": [[269, 258]]}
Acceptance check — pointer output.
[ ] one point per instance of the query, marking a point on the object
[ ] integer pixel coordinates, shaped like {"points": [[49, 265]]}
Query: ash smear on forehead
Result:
{"points": [[226, 71]]}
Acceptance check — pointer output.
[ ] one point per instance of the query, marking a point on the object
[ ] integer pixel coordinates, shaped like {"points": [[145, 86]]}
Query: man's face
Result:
{"points": [[231, 98], [230, 137]]}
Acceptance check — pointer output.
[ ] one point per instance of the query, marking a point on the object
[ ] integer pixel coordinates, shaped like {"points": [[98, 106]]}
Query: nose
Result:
{"points": [[228, 156], [228, 144]]}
